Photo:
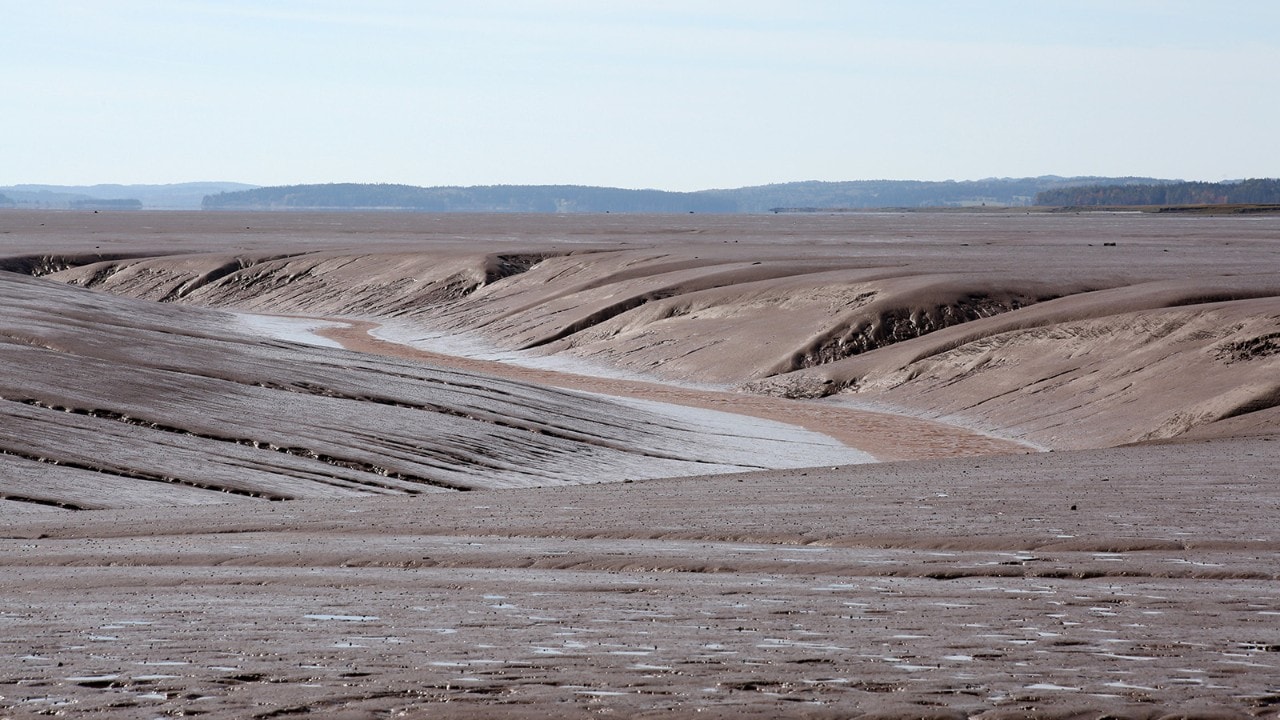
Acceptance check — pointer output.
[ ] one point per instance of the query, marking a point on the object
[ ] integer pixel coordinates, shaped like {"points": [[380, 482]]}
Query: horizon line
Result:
{"points": [[621, 187]]}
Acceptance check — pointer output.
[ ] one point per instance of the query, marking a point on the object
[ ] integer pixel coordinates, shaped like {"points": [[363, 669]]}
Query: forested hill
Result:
{"points": [[791, 197], [491, 198], [173, 196], [866, 194], [1244, 192]]}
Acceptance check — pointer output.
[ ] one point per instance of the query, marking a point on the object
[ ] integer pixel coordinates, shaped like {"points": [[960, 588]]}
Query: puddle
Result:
{"points": [[298, 330], [1129, 686], [1117, 656], [1051, 686], [55, 702]]}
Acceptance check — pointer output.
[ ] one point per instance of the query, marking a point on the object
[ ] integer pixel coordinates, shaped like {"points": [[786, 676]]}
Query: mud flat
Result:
{"points": [[1134, 583], [204, 516]]}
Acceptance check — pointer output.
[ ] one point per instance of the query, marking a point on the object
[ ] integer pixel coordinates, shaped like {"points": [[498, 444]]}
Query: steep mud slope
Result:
{"points": [[385, 284], [1138, 363], [110, 402], [763, 328]]}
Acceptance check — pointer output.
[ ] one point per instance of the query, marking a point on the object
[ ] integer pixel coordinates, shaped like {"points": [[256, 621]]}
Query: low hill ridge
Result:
{"points": [[173, 196], [1242, 192], [788, 197]]}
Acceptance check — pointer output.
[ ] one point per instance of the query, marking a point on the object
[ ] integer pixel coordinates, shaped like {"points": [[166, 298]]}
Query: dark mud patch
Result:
{"points": [[1253, 348], [41, 265], [899, 324]]}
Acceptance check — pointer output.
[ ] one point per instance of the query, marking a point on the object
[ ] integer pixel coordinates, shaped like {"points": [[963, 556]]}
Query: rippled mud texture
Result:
{"points": [[112, 402], [203, 519], [1132, 583]]}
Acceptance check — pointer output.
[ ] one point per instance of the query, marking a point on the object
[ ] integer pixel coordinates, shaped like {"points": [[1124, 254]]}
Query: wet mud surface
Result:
{"points": [[886, 436], [948, 587]]}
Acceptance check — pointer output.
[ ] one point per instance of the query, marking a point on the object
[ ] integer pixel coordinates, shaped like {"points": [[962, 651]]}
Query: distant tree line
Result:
{"points": [[170, 196], [5, 201], [491, 198], [803, 196], [868, 194], [1245, 192]]}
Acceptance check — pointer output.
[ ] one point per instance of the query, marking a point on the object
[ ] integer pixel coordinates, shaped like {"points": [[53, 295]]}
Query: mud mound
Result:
{"points": [[1093, 382]]}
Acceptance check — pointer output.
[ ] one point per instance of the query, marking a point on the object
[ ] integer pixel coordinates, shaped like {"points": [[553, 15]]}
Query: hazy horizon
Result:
{"points": [[538, 184], [661, 95]]}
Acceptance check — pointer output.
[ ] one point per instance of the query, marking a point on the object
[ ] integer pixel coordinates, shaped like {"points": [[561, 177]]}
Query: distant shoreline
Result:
{"points": [[1026, 193]]}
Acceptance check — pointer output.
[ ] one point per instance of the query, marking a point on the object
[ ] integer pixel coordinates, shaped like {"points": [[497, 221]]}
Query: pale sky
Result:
{"points": [[670, 94]]}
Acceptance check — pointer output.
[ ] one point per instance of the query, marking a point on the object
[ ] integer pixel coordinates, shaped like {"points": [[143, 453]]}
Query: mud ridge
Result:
{"points": [[356, 465], [41, 265], [499, 267], [211, 276], [41, 501], [478, 416], [600, 316], [658, 565], [134, 475], [1263, 400]]}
